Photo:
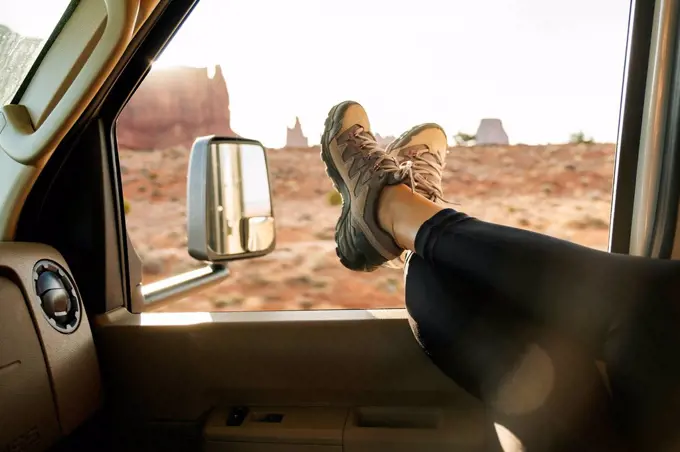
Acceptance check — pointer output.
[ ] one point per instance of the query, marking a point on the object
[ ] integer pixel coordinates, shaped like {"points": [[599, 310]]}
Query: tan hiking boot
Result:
{"points": [[359, 169], [426, 146]]}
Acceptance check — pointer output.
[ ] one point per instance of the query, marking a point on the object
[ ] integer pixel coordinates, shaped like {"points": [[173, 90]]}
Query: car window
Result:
{"points": [[25, 27], [528, 92]]}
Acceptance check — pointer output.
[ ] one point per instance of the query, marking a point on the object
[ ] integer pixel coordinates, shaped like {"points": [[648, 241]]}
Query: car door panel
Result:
{"points": [[165, 366], [49, 377], [28, 416]]}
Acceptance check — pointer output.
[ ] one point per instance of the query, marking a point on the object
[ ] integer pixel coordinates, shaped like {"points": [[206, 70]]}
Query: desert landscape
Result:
{"points": [[563, 190]]}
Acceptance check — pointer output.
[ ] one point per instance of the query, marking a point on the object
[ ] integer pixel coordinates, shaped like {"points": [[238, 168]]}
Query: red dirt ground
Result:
{"points": [[560, 190]]}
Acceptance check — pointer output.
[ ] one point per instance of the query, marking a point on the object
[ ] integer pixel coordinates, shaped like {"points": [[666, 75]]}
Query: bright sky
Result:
{"points": [[546, 68]]}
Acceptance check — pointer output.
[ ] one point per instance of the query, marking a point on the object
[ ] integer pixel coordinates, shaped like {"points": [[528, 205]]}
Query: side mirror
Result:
{"points": [[229, 205]]}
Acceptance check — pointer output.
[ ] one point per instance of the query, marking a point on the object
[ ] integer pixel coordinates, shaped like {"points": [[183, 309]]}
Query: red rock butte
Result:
{"points": [[294, 137], [174, 106], [491, 132]]}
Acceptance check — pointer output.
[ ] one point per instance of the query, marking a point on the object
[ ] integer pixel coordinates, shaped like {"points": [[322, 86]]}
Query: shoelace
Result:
{"points": [[402, 171], [425, 172], [419, 171]]}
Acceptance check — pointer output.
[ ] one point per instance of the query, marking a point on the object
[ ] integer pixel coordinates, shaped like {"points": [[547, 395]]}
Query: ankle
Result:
{"points": [[386, 208]]}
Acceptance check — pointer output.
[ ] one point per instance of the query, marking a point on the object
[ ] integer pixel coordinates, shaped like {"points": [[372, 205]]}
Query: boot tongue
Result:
{"points": [[429, 175]]}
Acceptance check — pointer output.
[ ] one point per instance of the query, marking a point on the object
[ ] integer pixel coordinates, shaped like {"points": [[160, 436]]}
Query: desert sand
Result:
{"points": [[560, 190]]}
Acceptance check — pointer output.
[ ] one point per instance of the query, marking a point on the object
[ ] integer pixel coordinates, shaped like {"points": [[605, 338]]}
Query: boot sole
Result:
{"points": [[353, 248]]}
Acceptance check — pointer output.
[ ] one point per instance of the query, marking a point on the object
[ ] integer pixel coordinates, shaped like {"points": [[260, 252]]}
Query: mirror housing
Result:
{"points": [[229, 204]]}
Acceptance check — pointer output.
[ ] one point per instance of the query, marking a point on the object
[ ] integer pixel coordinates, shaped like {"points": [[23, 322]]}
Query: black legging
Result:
{"points": [[518, 319]]}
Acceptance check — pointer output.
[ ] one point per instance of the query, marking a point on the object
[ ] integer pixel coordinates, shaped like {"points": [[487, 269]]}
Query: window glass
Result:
{"points": [[528, 92], [25, 26]]}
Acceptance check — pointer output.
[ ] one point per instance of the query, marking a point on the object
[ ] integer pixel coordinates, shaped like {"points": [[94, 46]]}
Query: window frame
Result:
{"points": [[156, 34], [641, 16]]}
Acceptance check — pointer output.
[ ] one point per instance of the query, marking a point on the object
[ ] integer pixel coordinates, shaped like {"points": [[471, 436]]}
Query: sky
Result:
{"points": [[547, 69]]}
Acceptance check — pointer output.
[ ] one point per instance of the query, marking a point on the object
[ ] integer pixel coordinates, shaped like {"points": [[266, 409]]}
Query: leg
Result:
{"points": [[542, 388], [593, 296], [641, 353], [553, 282], [576, 289], [624, 302]]}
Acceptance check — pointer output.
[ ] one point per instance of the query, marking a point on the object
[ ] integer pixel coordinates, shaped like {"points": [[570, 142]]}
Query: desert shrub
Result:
{"points": [[580, 138], [588, 222], [464, 139], [126, 206], [230, 300], [524, 222], [334, 198], [306, 304]]}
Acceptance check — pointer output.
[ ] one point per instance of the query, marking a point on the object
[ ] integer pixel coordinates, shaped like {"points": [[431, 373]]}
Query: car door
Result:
{"points": [[354, 379], [54, 64], [314, 380]]}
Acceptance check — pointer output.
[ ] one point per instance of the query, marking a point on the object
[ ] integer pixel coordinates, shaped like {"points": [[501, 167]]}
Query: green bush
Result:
{"points": [[334, 198], [464, 139], [580, 138]]}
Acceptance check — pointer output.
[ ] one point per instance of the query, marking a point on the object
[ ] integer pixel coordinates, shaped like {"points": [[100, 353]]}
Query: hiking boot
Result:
{"points": [[360, 170], [426, 147]]}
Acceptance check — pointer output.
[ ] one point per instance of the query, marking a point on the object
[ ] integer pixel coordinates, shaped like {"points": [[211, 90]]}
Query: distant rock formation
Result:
{"points": [[384, 141], [174, 106], [491, 131], [294, 137], [18, 53]]}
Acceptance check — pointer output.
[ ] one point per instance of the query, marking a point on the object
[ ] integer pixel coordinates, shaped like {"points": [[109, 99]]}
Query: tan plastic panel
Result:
{"points": [[73, 70], [14, 180], [28, 420], [405, 429], [179, 366], [300, 425], [361, 429], [146, 7], [218, 446], [58, 71], [71, 358]]}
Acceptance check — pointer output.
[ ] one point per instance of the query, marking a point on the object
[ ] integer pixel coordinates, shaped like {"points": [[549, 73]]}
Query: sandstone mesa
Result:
{"points": [[174, 106]]}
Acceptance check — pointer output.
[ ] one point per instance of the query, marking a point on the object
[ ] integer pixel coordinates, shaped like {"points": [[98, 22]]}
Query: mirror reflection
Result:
{"points": [[239, 200]]}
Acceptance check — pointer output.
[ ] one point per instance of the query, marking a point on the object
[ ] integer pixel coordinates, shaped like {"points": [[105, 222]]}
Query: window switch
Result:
{"points": [[272, 418], [236, 416]]}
